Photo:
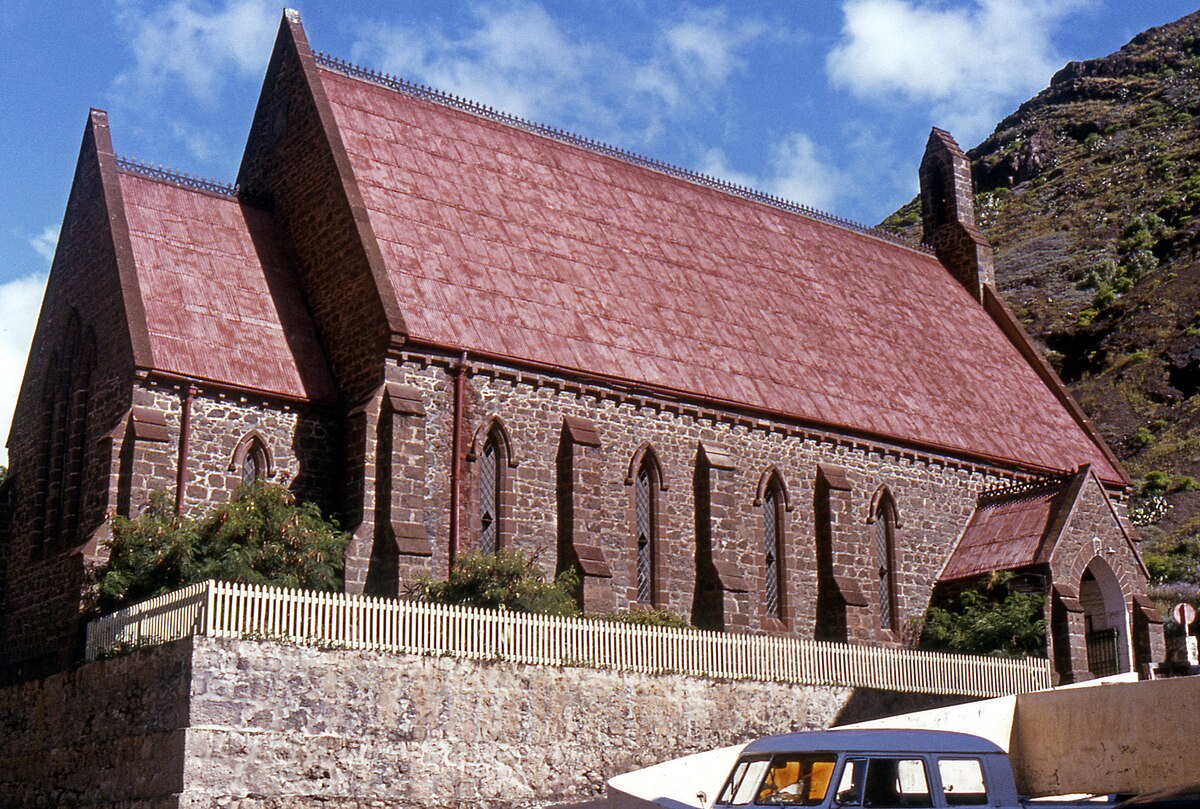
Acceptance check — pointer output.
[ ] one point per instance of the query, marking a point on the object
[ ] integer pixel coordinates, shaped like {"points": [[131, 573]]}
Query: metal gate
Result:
{"points": [[1102, 652]]}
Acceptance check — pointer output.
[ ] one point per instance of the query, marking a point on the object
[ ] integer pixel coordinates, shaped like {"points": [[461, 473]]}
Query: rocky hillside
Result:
{"points": [[1090, 193]]}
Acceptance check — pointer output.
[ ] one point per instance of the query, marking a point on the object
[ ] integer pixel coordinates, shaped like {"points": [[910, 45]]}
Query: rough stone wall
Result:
{"points": [[1093, 533], [108, 734], [300, 441], [302, 727], [934, 496], [205, 723], [75, 391]]}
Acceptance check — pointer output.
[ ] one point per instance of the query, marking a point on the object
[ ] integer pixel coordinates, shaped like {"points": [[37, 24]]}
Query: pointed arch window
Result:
{"points": [[490, 472], [251, 460], [772, 506], [885, 555], [645, 506], [254, 465]]}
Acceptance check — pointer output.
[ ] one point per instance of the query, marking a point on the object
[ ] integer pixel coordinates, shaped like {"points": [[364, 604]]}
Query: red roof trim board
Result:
{"points": [[1020, 338]]}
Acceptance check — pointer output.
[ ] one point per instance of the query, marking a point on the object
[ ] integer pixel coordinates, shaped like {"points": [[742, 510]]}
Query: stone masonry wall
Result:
{"points": [[934, 496], [108, 734], [300, 442], [75, 391], [205, 723]]}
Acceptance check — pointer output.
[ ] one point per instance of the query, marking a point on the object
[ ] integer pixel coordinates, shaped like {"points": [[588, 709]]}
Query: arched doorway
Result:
{"points": [[1105, 620]]}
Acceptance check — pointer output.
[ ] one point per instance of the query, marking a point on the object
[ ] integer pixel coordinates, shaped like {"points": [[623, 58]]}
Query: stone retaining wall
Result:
{"points": [[217, 723]]}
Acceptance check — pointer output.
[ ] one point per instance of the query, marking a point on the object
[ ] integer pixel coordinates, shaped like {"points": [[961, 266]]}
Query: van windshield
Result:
{"points": [[785, 780]]}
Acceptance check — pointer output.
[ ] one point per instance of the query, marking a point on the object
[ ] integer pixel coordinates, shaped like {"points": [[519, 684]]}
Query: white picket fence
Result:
{"points": [[337, 620]]}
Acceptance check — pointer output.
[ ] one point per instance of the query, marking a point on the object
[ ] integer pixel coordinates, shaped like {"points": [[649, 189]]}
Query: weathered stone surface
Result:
{"points": [[111, 733], [209, 723]]}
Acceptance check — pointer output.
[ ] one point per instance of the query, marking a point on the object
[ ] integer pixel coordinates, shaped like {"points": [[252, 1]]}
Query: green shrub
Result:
{"points": [[261, 536], [647, 616], [1184, 483], [507, 579], [1173, 559], [989, 619], [1156, 482]]}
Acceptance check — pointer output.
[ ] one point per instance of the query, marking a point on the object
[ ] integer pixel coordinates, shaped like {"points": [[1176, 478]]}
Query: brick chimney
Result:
{"points": [[948, 214]]}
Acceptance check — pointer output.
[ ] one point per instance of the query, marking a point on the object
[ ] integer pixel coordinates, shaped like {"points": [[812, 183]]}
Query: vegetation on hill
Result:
{"points": [[261, 536], [1090, 193]]}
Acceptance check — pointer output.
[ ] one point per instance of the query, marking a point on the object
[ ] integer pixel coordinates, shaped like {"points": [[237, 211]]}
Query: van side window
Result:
{"points": [[885, 783], [962, 781], [743, 782]]}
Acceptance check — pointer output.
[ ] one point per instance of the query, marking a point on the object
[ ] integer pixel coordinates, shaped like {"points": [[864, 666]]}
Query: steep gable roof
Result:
{"points": [[523, 247], [1017, 529], [221, 302]]}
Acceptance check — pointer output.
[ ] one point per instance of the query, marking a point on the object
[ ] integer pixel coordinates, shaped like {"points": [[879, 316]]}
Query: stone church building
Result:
{"points": [[458, 330]]}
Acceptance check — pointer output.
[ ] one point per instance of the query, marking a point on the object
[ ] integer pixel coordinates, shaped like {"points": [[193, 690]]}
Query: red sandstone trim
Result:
{"points": [[100, 138], [1068, 499], [456, 472], [185, 437], [291, 31]]}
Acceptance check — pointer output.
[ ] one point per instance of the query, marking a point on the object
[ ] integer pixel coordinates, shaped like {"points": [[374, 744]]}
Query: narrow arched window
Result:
{"points": [[254, 464], [772, 505], [885, 548], [251, 460], [490, 470], [645, 495]]}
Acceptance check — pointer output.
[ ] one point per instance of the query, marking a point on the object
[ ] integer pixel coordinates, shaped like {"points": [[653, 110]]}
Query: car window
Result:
{"points": [[785, 780], [962, 781], [797, 780], [886, 783], [743, 782]]}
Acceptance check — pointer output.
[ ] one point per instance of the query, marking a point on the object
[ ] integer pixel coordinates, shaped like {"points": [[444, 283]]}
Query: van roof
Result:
{"points": [[872, 741]]}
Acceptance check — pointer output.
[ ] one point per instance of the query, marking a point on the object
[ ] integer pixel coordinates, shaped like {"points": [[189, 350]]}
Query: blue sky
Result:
{"points": [[825, 103]]}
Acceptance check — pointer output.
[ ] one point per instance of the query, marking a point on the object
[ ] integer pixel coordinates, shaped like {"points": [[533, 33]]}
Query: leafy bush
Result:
{"points": [[647, 616], [508, 579], [261, 536], [990, 619]]}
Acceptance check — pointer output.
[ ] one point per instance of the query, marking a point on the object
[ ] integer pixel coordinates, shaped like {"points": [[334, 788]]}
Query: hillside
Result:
{"points": [[1090, 193]]}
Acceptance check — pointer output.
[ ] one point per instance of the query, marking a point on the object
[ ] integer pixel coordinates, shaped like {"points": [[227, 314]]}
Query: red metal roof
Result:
{"points": [[221, 303], [506, 242], [1006, 533]]}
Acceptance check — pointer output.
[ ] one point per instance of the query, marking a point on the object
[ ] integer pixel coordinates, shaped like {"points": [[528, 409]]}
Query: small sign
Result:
{"points": [[1183, 614]]}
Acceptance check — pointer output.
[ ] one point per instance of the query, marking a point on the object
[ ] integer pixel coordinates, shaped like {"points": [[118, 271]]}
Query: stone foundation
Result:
{"points": [[218, 723]]}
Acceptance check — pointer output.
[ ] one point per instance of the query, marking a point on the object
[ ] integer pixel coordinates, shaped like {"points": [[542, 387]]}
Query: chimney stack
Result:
{"points": [[948, 214]]}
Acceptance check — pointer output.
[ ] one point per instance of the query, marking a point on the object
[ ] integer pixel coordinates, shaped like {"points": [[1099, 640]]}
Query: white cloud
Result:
{"points": [[797, 171], [45, 243], [696, 56], [20, 301], [195, 44], [964, 63], [516, 58], [520, 59]]}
